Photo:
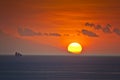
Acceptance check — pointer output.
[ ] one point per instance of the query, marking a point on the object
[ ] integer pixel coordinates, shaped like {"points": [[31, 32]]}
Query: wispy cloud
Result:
{"points": [[27, 32]]}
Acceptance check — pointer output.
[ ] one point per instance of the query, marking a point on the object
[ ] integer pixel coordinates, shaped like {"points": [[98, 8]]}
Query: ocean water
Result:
{"points": [[59, 68]]}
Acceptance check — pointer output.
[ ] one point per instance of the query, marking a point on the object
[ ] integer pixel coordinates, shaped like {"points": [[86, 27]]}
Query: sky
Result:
{"points": [[47, 27]]}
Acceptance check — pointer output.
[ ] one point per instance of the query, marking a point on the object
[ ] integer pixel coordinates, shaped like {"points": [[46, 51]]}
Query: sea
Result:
{"points": [[60, 68]]}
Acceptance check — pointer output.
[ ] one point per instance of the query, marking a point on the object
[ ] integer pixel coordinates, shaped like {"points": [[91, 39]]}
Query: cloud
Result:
{"points": [[54, 34], [89, 33], [46, 34], [27, 32], [98, 27], [107, 29], [89, 24], [117, 31]]}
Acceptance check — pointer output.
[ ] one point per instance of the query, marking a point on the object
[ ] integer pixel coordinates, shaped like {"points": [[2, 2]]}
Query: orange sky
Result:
{"points": [[56, 23]]}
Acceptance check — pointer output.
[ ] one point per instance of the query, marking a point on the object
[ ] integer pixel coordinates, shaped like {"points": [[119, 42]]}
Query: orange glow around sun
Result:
{"points": [[74, 48]]}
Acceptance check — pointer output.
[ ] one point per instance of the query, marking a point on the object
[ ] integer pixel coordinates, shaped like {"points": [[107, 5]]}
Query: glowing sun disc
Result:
{"points": [[75, 48]]}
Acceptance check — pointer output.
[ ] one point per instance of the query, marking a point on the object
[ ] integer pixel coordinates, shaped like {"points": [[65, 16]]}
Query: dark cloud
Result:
{"points": [[54, 34], [46, 34], [27, 32], [107, 29], [89, 24], [117, 31], [89, 33], [98, 27]]}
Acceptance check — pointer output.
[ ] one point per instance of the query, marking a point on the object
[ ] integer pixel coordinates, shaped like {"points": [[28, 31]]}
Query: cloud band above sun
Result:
{"points": [[107, 29]]}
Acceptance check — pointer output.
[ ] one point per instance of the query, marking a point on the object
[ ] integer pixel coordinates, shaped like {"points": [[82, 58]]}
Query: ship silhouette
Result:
{"points": [[18, 54]]}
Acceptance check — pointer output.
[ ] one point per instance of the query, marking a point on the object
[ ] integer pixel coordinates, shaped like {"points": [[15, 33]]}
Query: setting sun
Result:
{"points": [[75, 48]]}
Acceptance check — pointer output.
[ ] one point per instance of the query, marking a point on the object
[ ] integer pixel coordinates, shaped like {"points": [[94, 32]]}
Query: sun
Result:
{"points": [[74, 48]]}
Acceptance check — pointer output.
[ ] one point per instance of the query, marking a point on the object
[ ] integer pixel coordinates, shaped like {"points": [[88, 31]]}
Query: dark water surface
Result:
{"points": [[59, 68]]}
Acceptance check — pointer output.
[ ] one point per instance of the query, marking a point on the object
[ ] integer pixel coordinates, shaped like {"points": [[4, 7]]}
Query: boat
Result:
{"points": [[18, 54]]}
